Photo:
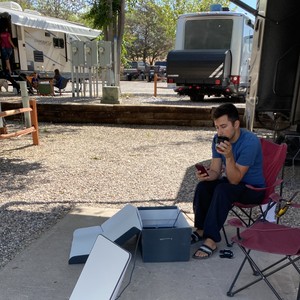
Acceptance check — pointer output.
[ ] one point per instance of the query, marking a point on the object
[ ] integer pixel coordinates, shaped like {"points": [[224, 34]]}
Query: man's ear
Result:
{"points": [[237, 124]]}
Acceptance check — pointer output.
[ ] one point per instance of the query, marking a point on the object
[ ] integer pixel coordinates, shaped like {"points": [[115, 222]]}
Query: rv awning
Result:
{"points": [[28, 19]]}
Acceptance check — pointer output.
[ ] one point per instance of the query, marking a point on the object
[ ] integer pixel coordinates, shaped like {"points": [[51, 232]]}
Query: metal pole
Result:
{"points": [[115, 62], [155, 85], [1, 120], [25, 102], [90, 82]]}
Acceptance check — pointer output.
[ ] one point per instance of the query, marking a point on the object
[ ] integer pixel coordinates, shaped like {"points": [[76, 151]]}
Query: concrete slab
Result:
{"points": [[42, 272]]}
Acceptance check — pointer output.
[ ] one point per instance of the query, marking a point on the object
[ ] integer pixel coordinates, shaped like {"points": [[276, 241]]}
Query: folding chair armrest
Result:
{"points": [[276, 183], [275, 197], [238, 224]]}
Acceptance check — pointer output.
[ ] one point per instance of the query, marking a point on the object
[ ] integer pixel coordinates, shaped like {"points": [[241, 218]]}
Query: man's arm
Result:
{"points": [[234, 171], [214, 171], [215, 168]]}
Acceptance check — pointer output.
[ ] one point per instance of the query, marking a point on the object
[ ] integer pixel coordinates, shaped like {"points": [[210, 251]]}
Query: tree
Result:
{"points": [[67, 10], [171, 9], [150, 26], [145, 33], [108, 15], [23, 3]]}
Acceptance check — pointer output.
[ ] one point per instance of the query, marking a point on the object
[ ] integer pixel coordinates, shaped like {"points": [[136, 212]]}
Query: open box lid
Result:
{"points": [[162, 217], [119, 228], [103, 272]]}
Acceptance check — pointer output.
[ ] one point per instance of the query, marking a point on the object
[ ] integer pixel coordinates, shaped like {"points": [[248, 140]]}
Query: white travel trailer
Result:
{"points": [[41, 43], [212, 54]]}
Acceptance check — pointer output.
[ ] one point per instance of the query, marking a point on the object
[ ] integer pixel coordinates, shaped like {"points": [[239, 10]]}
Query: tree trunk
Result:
{"points": [[121, 24]]}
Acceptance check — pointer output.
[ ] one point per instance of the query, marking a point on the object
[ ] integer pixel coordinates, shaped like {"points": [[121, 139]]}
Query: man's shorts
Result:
{"points": [[6, 53]]}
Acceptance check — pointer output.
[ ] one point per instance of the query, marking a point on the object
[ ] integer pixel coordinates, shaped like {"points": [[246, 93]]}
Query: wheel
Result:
{"points": [[196, 97]]}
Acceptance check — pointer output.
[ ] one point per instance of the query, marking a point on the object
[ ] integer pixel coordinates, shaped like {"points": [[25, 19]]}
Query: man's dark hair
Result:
{"points": [[226, 109]]}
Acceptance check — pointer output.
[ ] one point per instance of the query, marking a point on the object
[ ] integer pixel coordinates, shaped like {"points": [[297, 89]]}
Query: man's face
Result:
{"points": [[226, 128]]}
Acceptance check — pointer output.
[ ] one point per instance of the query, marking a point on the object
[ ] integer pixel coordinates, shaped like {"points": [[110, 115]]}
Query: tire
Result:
{"points": [[197, 97]]}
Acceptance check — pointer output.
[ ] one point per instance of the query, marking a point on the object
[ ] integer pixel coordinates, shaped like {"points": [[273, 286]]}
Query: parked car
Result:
{"points": [[159, 68], [136, 70], [162, 67]]}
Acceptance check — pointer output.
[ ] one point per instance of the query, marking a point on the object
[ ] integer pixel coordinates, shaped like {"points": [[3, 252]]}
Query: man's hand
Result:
{"points": [[225, 149], [202, 176]]}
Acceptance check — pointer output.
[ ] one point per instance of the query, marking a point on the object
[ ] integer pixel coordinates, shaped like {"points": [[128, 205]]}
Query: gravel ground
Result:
{"points": [[98, 165], [132, 93]]}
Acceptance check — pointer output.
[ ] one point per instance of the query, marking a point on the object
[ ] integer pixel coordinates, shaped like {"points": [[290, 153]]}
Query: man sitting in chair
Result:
{"points": [[238, 153]]}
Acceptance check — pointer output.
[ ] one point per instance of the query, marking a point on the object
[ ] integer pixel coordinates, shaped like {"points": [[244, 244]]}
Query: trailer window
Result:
{"points": [[58, 43], [38, 56], [208, 34]]}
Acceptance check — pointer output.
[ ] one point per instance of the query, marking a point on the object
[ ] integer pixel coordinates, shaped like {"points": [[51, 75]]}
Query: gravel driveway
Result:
{"points": [[97, 165]]}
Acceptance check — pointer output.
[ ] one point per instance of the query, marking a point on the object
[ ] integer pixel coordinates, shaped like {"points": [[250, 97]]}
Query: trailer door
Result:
{"points": [[274, 60]]}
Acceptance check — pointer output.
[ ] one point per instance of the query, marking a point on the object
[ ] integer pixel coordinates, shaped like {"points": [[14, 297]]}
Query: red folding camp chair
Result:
{"points": [[274, 156], [271, 238]]}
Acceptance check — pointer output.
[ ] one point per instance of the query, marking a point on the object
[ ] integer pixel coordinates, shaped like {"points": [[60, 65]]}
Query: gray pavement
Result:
{"points": [[42, 272]]}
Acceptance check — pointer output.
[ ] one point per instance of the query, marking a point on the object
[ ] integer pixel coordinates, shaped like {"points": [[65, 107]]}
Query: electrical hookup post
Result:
{"points": [[110, 91], [88, 59], [25, 102], [2, 125]]}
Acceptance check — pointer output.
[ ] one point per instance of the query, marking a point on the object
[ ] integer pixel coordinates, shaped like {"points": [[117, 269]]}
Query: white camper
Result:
{"points": [[41, 43], [211, 55]]}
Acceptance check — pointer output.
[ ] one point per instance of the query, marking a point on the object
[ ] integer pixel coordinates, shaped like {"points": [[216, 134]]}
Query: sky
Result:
{"points": [[251, 3]]}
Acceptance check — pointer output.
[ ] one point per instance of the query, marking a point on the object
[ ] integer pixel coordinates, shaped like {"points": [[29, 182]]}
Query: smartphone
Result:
{"points": [[202, 169], [221, 139]]}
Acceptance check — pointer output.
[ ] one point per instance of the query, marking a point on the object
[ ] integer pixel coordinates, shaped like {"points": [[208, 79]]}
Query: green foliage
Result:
{"points": [[173, 8], [100, 12], [150, 25], [145, 32]]}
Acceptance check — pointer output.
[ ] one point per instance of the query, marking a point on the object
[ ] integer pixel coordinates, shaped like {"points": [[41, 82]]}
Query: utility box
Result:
{"points": [[166, 234], [91, 53], [105, 58], [78, 57]]}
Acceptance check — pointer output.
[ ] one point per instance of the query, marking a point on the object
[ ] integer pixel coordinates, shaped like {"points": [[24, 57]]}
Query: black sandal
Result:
{"points": [[195, 237]]}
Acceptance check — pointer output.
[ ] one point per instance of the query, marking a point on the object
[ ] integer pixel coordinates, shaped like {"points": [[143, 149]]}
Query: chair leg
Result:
{"points": [[262, 276], [230, 293], [226, 238]]}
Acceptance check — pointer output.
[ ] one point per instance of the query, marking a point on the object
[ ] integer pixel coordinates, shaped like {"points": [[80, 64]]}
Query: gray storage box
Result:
{"points": [[166, 234]]}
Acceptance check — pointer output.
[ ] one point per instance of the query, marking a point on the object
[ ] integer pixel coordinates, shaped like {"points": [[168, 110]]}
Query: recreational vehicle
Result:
{"points": [[41, 43], [212, 54]]}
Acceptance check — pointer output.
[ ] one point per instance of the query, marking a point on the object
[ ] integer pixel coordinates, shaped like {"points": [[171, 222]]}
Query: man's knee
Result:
{"points": [[201, 186], [223, 191]]}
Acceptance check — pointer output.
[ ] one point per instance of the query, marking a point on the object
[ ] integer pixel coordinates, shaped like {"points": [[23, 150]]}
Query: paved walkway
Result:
{"points": [[42, 272]]}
